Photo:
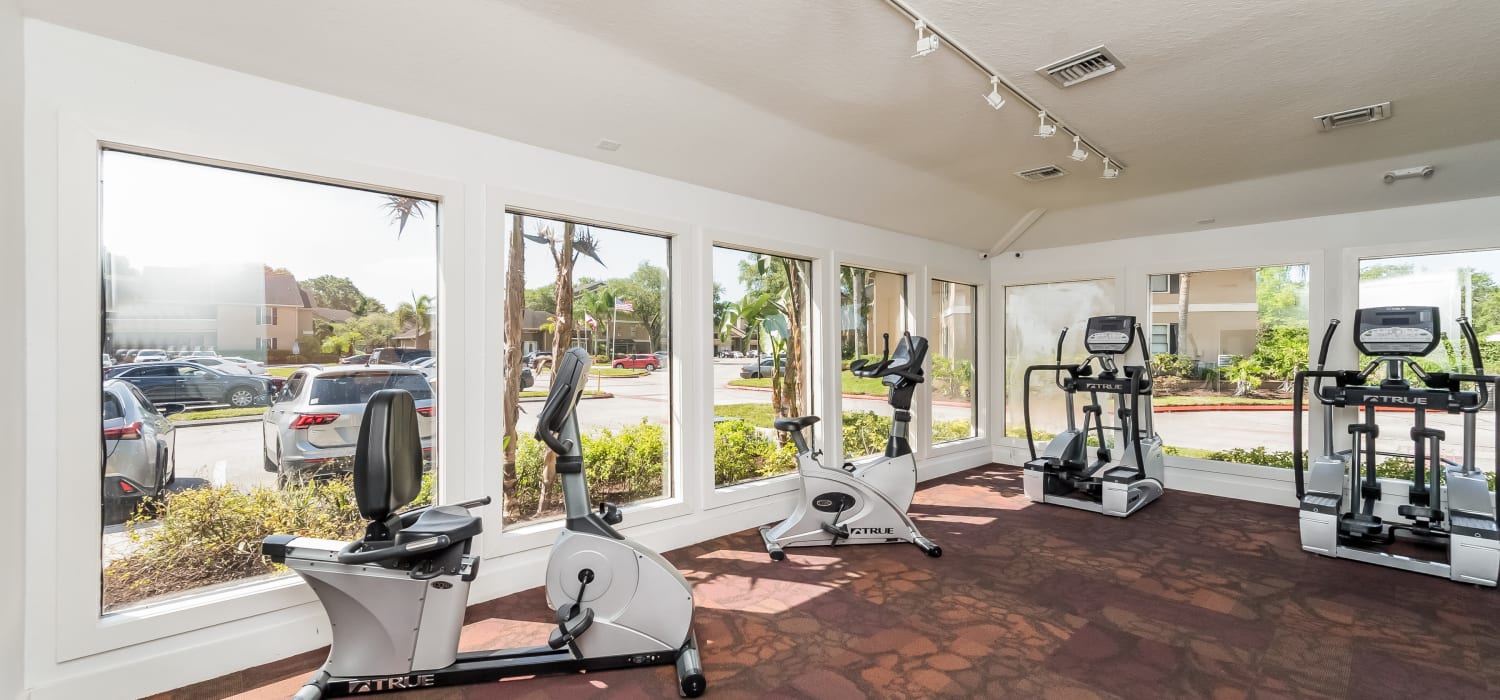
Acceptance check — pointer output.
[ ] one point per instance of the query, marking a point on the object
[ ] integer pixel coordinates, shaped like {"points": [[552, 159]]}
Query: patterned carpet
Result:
{"points": [[1193, 597]]}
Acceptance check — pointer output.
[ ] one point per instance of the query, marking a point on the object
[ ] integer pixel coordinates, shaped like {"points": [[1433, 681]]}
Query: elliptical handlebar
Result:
{"points": [[1145, 353], [1057, 376], [1473, 342]]}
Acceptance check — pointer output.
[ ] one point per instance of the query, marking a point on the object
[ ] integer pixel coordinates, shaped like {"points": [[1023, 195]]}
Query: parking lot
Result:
{"points": [[230, 452]]}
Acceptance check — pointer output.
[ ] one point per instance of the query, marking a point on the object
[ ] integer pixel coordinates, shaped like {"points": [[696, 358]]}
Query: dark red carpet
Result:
{"points": [[1193, 597]]}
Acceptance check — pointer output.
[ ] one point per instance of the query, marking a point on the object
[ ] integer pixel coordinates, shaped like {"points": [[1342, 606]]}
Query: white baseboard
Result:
{"points": [[1246, 482]]}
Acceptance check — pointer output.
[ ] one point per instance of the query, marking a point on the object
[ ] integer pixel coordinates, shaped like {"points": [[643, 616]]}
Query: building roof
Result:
{"points": [[282, 290], [333, 315]]}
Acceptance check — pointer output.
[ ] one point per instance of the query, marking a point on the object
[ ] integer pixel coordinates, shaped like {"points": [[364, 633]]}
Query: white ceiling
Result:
{"points": [[818, 105]]}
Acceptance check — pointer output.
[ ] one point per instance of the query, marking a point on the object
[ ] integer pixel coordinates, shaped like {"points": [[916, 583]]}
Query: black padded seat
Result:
{"points": [[388, 456], [453, 521], [789, 425]]}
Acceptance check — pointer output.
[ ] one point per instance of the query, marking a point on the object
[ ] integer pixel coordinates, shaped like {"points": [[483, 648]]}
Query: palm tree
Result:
{"points": [[416, 313], [402, 209], [515, 307], [565, 250], [1182, 314]]}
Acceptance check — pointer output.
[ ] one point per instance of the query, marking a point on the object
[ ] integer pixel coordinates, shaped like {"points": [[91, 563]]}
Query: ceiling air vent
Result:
{"points": [[1350, 117], [1094, 63], [1046, 172]]}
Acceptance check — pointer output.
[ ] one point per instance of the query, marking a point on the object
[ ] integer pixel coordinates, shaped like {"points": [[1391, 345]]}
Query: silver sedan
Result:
{"points": [[313, 423]]}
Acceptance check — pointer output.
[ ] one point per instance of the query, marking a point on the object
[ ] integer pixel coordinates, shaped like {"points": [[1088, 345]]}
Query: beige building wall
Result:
{"points": [[1222, 317], [887, 292]]}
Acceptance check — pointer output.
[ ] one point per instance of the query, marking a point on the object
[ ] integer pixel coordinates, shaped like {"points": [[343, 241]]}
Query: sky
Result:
{"points": [[165, 213]]}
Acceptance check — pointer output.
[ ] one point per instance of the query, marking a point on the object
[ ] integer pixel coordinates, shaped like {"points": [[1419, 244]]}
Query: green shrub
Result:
{"points": [[865, 432], [1180, 366], [1393, 468], [952, 380], [741, 453], [212, 535], [950, 430]]}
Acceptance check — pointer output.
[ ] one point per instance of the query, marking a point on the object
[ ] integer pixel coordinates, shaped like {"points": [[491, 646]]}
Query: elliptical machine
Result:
{"points": [[1464, 524], [1119, 482], [396, 597], [861, 502]]}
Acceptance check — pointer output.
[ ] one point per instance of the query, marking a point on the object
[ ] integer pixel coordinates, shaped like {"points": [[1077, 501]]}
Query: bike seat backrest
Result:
{"points": [[388, 456], [567, 386], [910, 353]]}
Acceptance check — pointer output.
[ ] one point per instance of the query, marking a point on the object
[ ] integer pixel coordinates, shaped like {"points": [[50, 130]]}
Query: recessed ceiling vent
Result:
{"points": [[1350, 117], [1046, 172], [1094, 63]]}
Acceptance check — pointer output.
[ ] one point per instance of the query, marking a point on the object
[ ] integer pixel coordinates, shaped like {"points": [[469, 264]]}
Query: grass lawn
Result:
{"points": [[217, 413], [612, 372], [756, 414], [864, 386], [1218, 401]]}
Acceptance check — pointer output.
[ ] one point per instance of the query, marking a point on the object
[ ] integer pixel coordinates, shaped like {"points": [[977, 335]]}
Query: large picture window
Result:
{"points": [[607, 290], [246, 320], [1460, 284], [1227, 344], [1034, 315], [873, 305], [954, 336], [762, 342]]}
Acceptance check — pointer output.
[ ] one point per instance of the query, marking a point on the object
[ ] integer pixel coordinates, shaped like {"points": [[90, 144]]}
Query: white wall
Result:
{"points": [[12, 277], [1330, 245], [83, 89]]}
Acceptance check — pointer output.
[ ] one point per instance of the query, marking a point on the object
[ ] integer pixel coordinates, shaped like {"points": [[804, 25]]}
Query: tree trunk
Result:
{"points": [[1182, 315], [562, 335], [515, 306], [796, 311]]}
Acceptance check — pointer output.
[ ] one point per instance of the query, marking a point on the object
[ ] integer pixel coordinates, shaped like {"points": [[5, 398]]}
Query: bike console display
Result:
{"points": [[1109, 335], [1407, 331]]}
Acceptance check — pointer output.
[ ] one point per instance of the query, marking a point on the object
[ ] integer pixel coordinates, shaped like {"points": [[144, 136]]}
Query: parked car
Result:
{"points": [[187, 354], [731, 354], [140, 457], [108, 361], [762, 368], [313, 422], [254, 366], [537, 360], [396, 356], [187, 382], [646, 362], [218, 363], [149, 356], [422, 362], [354, 360], [663, 359]]}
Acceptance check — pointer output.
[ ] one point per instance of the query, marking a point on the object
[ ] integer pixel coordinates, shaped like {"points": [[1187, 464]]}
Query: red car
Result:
{"points": [[646, 362]]}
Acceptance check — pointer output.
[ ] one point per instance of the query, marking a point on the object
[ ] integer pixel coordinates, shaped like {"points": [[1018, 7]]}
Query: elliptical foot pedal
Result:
{"points": [[1360, 524]]}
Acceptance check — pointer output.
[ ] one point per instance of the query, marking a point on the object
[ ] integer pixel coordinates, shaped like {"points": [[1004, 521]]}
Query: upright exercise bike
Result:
{"points": [[396, 597], [862, 502], [1449, 508], [1118, 481]]}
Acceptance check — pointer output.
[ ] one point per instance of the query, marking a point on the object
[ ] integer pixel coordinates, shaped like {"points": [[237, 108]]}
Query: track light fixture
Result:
{"points": [[1001, 91], [1078, 154], [995, 99], [1043, 129], [926, 43]]}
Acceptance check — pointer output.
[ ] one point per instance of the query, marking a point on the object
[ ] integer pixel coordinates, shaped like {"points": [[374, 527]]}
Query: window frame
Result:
{"points": [[981, 372], [720, 496], [1324, 285], [529, 537], [67, 579], [832, 383]]}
